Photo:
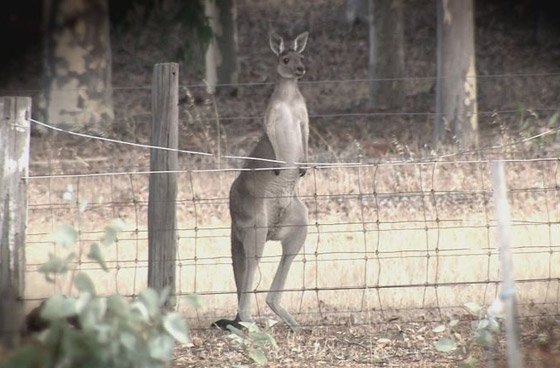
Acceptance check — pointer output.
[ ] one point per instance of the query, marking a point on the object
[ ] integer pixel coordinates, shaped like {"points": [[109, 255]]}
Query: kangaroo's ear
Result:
{"points": [[276, 43], [300, 42]]}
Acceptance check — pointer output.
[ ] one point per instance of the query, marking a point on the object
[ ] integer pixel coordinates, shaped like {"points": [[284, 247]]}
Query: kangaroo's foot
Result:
{"points": [[223, 323]]}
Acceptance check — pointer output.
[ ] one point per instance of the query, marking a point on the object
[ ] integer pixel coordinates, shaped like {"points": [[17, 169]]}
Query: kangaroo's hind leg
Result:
{"points": [[247, 249], [292, 234]]}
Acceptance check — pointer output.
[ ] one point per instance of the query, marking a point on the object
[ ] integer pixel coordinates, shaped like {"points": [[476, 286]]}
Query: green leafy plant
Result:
{"points": [[255, 343], [90, 330], [484, 329]]}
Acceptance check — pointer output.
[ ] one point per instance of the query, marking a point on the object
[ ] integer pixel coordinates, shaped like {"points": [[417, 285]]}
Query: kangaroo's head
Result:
{"points": [[290, 59]]}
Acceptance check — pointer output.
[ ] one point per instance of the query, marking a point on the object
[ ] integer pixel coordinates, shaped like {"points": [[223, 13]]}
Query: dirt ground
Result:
{"points": [[391, 343]]}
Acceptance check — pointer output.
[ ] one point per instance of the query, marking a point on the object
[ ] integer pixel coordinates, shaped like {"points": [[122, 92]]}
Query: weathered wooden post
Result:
{"points": [[506, 265], [162, 240], [15, 113]]}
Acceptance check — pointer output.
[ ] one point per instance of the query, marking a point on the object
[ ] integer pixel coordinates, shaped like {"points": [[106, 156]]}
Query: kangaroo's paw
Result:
{"points": [[224, 323]]}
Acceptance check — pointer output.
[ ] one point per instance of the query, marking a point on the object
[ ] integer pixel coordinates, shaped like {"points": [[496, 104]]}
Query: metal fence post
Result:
{"points": [[506, 264]]}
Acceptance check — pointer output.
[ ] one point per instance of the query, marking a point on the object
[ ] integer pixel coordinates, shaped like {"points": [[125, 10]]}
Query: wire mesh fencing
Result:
{"points": [[412, 234], [415, 237]]}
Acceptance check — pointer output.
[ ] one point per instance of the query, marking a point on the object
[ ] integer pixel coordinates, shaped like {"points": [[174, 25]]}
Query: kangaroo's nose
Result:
{"points": [[300, 70]]}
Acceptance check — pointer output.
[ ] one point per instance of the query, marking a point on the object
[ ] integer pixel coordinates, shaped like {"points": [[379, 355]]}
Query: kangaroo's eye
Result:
{"points": [[286, 60]]}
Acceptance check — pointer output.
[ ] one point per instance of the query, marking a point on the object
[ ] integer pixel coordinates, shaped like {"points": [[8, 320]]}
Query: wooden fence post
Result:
{"points": [[162, 240], [506, 265], [15, 113]]}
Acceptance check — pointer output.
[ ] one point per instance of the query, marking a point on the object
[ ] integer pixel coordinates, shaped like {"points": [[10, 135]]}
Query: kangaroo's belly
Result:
{"points": [[278, 197]]}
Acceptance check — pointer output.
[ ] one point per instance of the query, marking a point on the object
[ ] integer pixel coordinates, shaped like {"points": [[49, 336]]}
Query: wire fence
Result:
{"points": [[413, 234], [148, 87]]}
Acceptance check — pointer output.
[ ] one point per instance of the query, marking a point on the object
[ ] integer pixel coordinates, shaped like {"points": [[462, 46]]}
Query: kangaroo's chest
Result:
{"points": [[289, 133]]}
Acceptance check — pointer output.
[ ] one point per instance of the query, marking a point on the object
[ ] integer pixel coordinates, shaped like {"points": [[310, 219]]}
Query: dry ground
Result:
{"points": [[389, 343]]}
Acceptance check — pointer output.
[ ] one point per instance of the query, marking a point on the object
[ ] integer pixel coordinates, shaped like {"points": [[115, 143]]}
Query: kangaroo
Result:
{"points": [[263, 203]]}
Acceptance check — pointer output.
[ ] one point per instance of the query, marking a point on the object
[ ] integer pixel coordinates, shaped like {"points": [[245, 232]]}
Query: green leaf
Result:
{"points": [[83, 283], [138, 309], [482, 324], [118, 305], [82, 301], [439, 329], [103, 333], [194, 300], [150, 299], [65, 236], [251, 326], [56, 265], [96, 255], [82, 207], [258, 356], [111, 231], [93, 313], [258, 337], [68, 196], [128, 340], [453, 323], [109, 237], [175, 325], [473, 308], [238, 339], [484, 338], [161, 348], [164, 296], [58, 307], [235, 330], [445, 345], [269, 323], [118, 225], [494, 325], [272, 341], [27, 356], [262, 338]]}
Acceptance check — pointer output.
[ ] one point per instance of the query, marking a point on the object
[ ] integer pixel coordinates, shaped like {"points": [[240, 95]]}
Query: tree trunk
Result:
{"points": [[456, 83], [222, 66], [78, 91], [386, 63]]}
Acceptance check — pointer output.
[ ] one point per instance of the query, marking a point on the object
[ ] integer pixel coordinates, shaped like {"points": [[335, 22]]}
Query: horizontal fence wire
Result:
{"points": [[308, 165], [314, 82]]}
